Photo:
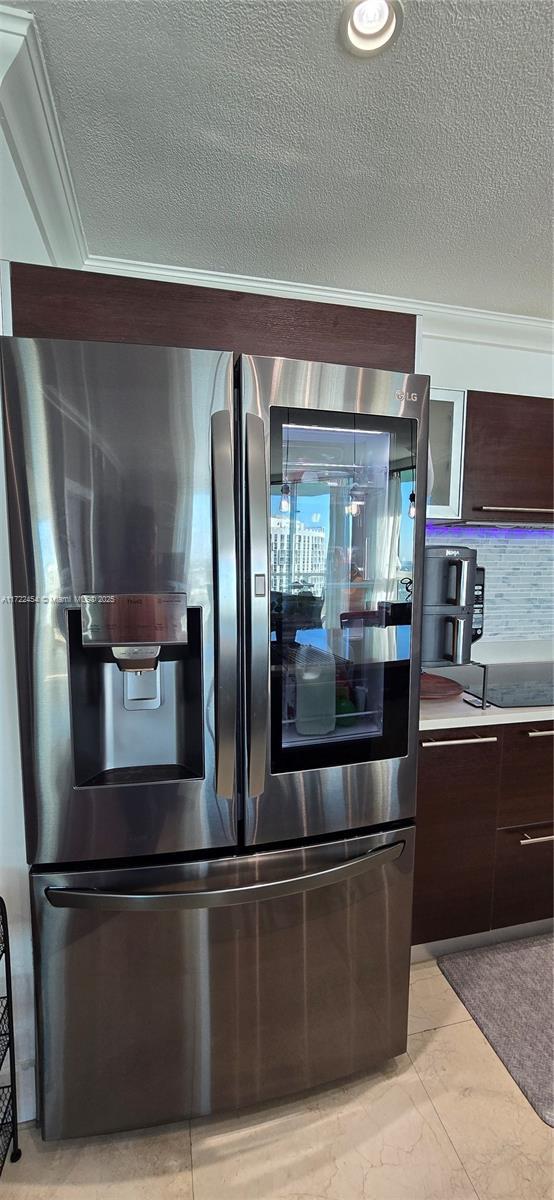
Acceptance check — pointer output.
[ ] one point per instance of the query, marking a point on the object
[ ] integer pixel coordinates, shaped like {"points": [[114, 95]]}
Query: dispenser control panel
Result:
{"points": [[134, 620]]}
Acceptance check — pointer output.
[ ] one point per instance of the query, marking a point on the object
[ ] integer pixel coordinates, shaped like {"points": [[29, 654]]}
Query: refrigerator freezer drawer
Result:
{"points": [[172, 991]]}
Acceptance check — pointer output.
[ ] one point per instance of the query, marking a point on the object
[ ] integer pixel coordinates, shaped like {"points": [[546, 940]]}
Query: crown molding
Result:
{"points": [[29, 120], [448, 321], [14, 24]]}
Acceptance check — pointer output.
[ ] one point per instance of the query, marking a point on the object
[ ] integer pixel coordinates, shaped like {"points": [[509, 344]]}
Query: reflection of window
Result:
{"points": [[406, 546], [340, 544]]}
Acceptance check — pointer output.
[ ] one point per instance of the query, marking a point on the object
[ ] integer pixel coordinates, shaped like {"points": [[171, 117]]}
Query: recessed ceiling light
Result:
{"points": [[367, 26]]}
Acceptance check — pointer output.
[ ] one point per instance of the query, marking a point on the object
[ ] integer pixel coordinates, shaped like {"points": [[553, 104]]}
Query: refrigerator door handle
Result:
{"points": [[89, 898], [257, 664], [225, 586]]}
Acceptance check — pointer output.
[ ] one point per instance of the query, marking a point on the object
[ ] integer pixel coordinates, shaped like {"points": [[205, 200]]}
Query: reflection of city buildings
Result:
{"points": [[303, 562]]}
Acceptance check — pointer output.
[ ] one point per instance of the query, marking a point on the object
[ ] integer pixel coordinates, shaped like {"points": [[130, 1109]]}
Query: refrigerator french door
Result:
{"points": [[333, 519], [120, 488], [217, 576]]}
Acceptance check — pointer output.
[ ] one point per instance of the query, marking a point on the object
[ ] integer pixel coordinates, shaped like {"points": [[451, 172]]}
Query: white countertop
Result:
{"points": [[447, 714]]}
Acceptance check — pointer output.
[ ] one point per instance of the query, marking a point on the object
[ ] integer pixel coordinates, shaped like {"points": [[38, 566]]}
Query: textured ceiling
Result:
{"points": [[237, 135]]}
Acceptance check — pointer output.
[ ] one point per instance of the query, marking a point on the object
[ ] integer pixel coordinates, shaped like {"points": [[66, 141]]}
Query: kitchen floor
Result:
{"points": [[443, 1122]]}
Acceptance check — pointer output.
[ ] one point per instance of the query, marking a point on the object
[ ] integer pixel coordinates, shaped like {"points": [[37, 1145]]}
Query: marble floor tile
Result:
{"points": [[150, 1165], [427, 967], [433, 1003], [378, 1139], [504, 1145]]}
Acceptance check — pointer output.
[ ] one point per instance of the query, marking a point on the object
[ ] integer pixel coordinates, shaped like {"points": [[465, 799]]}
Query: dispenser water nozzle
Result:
{"points": [[136, 658]]}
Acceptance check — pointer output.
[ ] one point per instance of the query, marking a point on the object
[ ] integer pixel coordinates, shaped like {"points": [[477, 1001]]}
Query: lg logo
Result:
{"points": [[401, 396]]}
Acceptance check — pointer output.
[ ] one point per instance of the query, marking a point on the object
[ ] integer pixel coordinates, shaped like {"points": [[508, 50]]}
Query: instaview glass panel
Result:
{"points": [[341, 554]]}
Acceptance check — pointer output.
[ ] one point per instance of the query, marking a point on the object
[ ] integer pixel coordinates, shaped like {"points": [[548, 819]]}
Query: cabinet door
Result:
{"points": [[455, 832], [508, 473], [527, 779], [523, 875], [446, 444]]}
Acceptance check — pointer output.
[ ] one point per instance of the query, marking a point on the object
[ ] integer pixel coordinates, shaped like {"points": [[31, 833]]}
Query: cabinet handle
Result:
{"points": [[527, 840], [478, 741], [510, 508], [540, 732]]}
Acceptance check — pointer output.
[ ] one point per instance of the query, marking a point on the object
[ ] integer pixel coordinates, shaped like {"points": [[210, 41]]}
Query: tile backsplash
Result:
{"points": [[519, 576]]}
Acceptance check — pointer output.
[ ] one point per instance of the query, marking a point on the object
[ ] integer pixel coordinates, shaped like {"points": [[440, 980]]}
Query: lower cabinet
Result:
{"points": [[527, 777], [523, 875], [457, 799], [484, 837]]}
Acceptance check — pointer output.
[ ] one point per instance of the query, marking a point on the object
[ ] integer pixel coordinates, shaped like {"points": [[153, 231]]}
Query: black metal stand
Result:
{"points": [[480, 701], [8, 1094]]}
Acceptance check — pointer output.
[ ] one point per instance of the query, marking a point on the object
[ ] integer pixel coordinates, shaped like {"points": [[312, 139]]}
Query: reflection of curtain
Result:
{"points": [[383, 539], [337, 565], [388, 544]]}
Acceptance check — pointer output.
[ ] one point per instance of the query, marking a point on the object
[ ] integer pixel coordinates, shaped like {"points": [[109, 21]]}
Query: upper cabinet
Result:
{"points": [[508, 467], [446, 440], [491, 456]]}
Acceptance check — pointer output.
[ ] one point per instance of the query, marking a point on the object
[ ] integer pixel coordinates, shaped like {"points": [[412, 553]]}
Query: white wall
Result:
{"points": [[14, 885], [487, 353], [20, 241], [20, 237]]}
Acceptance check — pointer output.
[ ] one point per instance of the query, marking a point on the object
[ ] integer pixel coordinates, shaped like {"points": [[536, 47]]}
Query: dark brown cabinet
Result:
{"points": [[484, 831], [523, 875], [527, 778], [455, 832], [508, 466], [523, 869], [50, 302]]}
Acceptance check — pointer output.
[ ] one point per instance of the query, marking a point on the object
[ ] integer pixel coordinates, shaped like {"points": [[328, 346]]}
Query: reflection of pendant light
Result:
{"points": [[411, 510], [284, 503], [355, 501]]}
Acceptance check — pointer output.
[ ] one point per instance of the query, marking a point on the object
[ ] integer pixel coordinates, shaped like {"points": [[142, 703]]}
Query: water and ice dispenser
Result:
{"points": [[136, 689]]}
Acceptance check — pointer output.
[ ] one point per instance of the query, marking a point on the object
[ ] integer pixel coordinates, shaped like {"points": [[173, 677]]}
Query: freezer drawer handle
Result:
{"points": [[225, 603], [157, 901]]}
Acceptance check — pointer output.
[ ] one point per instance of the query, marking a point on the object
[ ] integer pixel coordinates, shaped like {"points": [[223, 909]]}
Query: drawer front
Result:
{"points": [[155, 1011], [527, 780], [455, 832], [524, 875]]}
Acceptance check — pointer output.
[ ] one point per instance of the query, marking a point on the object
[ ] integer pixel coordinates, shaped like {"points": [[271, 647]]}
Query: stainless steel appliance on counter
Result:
{"points": [[453, 605], [218, 675]]}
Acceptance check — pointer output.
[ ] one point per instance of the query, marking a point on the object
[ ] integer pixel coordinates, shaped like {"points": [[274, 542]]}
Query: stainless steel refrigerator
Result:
{"points": [[217, 579]]}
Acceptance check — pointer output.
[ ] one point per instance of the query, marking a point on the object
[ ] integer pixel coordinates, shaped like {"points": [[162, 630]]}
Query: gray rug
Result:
{"points": [[508, 989]]}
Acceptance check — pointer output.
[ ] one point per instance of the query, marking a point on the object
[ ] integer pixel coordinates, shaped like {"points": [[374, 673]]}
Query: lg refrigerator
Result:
{"points": [[217, 578]]}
